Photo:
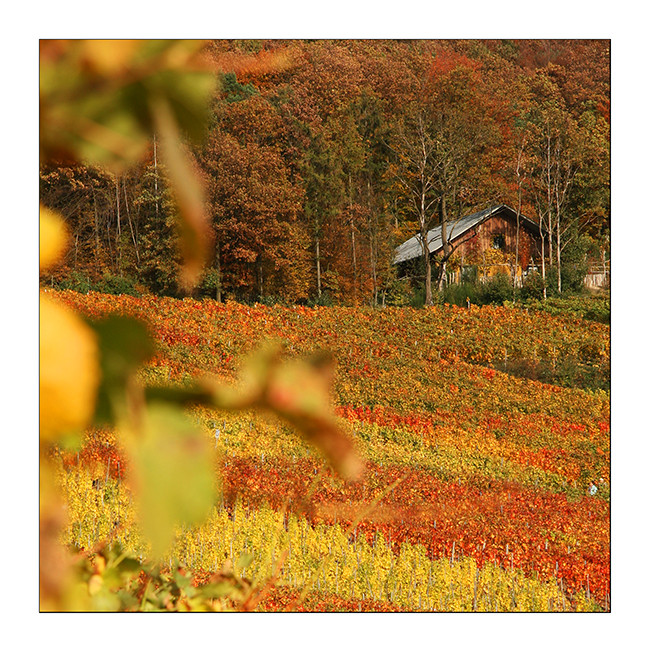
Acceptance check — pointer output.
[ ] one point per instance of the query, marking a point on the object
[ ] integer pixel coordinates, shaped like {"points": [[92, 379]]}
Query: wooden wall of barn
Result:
{"points": [[470, 251]]}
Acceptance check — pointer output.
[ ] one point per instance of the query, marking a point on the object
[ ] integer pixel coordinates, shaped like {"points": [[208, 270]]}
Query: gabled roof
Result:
{"points": [[412, 247]]}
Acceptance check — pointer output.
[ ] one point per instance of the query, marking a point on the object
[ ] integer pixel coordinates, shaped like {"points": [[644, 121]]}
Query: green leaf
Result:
{"points": [[244, 561], [71, 441], [173, 469], [127, 600], [188, 94], [124, 345], [182, 581], [179, 395], [129, 566], [218, 590]]}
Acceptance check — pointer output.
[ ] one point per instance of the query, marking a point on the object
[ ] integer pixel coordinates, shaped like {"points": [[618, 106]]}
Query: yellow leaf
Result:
{"points": [[95, 584], [53, 237], [69, 370], [109, 56]]}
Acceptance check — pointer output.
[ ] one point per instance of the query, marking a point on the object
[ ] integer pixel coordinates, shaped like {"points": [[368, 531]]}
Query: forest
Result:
{"points": [[317, 165]]}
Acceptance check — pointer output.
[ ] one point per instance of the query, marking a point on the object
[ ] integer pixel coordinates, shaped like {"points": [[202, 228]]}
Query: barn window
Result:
{"points": [[498, 241]]}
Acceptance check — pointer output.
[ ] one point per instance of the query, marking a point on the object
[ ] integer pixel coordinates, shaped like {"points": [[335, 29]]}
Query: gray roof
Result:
{"points": [[412, 248]]}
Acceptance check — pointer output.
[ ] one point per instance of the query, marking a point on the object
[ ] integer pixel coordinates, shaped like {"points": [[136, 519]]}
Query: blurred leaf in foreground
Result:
{"points": [[95, 96], [299, 391], [125, 344], [102, 101], [193, 226], [54, 563], [68, 353], [53, 237], [69, 370], [172, 471]]}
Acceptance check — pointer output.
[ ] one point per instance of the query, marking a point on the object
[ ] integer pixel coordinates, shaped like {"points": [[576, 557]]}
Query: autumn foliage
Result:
{"points": [[491, 470], [209, 455], [303, 161]]}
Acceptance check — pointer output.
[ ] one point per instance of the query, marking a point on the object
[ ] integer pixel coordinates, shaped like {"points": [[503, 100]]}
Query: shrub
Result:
{"points": [[599, 311], [458, 294], [211, 283], [587, 307], [325, 299], [532, 287], [75, 281], [399, 292], [273, 300], [496, 289], [115, 284], [418, 297], [469, 274]]}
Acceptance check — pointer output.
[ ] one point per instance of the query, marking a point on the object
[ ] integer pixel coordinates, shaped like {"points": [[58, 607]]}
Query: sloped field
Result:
{"points": [[484, 490]]}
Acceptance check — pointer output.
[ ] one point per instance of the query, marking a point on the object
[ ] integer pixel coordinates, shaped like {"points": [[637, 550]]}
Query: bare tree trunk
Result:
{"points": [[109, 243], [558, 250], [549, 199], [96, 229], [118, 234], [354, 258], [519, 192], [422, 211], [217, 263], [260, 275], [441, 274], [541, 233], [558, 203], [155, 168], [446, 252], [373, 263], [318, 273], [128, 216], [373, 252], [563, 180], [373, 237], [428, 294], [516, 266], [354, 248]]}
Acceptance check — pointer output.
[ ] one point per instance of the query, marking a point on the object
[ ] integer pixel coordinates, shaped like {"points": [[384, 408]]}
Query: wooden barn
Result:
{"points": [[485, 241]]}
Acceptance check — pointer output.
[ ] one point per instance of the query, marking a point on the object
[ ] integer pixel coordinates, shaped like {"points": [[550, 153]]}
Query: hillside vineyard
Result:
{"points": [[496, 509]]}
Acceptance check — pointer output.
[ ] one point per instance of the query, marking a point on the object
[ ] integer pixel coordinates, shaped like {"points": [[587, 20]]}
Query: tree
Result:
{"points": [[324, 194], [154, 204], [94, 203], [569, 179], [369, 115], [261, 244], [437, 145]]}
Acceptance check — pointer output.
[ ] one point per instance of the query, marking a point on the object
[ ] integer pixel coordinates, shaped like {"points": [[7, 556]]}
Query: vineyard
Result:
{"points": [[484, 488]]}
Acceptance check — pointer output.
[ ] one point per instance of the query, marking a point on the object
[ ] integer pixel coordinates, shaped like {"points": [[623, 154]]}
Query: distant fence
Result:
{"points": [[598, 276]]}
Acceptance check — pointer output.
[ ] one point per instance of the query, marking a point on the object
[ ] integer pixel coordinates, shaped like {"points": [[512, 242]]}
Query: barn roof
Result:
{"points": [[412, 247]]}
